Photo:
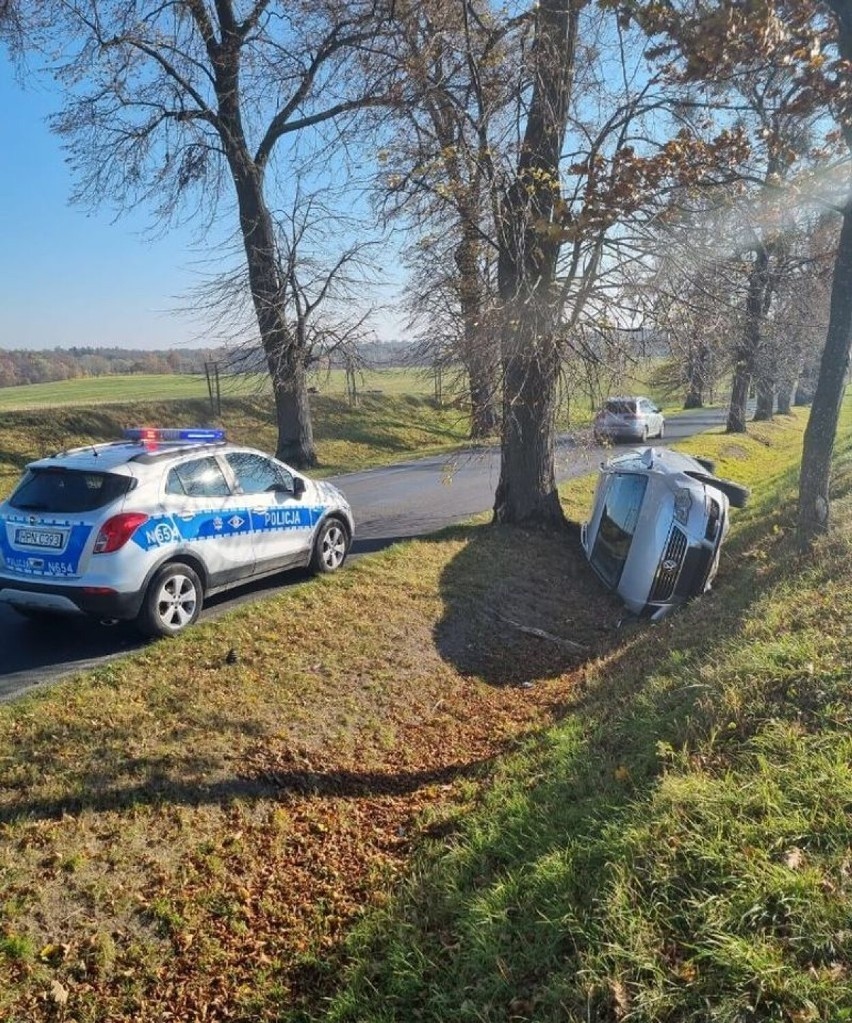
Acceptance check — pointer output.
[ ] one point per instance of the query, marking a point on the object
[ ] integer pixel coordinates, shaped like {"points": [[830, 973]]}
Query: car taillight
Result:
{"points": [[115, 532]]}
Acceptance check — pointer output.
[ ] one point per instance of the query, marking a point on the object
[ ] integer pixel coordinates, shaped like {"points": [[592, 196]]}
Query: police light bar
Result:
{"points": [[194, 435]]}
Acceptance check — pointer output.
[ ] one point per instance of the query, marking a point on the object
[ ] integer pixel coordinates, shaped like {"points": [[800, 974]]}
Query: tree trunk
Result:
{"points": [[526, 272], [804, 392], [285, 359], [292, 409], [696, 375], [765, 408], [484, 419], [748, 351], [479, 352], [738, 409], [526, 492], [786, 390], [825, 411]]}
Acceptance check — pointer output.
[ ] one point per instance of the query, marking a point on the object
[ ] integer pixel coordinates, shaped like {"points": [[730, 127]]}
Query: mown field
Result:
{"points": [[143, 387], [377, 797], [395, 417]]}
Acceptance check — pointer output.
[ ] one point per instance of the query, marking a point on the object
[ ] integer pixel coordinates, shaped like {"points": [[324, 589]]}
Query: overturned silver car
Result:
{"points": [[657, 525]]}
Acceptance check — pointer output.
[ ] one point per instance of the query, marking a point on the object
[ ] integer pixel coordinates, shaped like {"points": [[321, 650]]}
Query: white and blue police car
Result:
{"points": [[145, 528]]}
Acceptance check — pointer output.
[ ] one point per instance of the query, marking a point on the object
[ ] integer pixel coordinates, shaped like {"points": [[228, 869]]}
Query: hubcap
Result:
{"points": [[334, 547], [176, 602]]}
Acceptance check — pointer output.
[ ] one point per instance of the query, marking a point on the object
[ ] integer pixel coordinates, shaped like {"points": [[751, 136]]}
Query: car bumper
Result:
{"points": [[620, 432], [69, 599]]}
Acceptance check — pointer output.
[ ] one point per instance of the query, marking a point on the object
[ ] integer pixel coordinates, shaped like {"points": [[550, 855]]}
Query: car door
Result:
{"points": [[282, 524], [210, 519]]}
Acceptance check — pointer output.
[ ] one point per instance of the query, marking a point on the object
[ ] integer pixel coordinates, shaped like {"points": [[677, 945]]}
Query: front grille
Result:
{"points": [[669, 567], [696, 569]]}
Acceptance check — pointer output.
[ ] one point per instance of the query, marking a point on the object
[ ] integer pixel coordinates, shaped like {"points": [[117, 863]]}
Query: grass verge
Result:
{"points": [[377, 797], [679, 847], [380, 430]]}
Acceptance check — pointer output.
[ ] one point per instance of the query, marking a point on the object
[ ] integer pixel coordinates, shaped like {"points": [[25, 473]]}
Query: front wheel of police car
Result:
{"points": [[172, 601], [330, 547]]}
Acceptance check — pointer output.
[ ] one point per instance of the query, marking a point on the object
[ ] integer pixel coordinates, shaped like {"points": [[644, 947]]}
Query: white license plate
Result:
{"points": [[49, 538]]}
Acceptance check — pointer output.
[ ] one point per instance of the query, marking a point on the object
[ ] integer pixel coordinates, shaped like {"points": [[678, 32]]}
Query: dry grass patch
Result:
{"points": [[185, 833]]}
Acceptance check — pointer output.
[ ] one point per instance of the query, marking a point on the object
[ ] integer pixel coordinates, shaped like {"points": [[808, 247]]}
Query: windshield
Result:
{"points": [[61, 491], [618, 524], [621, 408]]}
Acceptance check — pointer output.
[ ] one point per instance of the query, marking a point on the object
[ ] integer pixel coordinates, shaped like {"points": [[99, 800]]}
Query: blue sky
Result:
{"points": [[72, 277], [67, 277]]}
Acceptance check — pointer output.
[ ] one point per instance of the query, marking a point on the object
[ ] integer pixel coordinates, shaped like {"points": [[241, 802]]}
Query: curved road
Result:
{"points": [[389, 504]]}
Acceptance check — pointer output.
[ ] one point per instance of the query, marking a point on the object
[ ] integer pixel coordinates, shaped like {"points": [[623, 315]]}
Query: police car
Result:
{"points": [[146, 528], [656, 528]]}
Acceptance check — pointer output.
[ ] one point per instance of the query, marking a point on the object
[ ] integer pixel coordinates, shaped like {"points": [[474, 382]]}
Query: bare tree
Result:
{"points": [[460, 71], [812, 39], [326, 268], [698, 288], [831, 383], [598, 152], [195, 107]]}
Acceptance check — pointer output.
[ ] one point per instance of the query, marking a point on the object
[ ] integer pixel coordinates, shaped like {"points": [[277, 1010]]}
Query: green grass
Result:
{"points": [[376, 797], [393, 382], [101, 390], [679, 848]]}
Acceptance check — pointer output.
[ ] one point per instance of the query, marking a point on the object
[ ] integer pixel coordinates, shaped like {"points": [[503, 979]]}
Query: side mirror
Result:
{"points": [[298, 486]]}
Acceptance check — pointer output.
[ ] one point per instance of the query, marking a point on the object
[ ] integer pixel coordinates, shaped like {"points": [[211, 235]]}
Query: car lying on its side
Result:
{"points": [[629, 419], [656, 528], [145, 528]]}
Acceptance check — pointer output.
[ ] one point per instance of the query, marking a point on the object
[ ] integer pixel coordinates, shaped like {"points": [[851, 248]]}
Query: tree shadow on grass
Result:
{"points": [[543, 855], [523, 605], [530, 887], [158, 786]]}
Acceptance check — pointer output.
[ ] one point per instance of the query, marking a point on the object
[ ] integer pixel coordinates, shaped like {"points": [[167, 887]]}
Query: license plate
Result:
{"points": [[40, 538]]}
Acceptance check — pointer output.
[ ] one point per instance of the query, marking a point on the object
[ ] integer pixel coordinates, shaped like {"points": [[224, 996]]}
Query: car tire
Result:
{"points": [[172, 601], [736, 494], [645, 435], [662, 432], [330, 547]]}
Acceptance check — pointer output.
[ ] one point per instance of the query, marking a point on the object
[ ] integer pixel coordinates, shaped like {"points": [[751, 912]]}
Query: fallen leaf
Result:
{"points": [[58, 993], [794, 858]]}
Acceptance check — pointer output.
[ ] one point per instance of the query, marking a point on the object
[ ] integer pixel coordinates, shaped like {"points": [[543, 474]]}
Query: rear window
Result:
{"points": [[621, 408], [618, 524], [67, 490]]}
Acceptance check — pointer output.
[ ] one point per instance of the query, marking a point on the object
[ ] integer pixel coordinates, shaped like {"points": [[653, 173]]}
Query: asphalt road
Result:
{"points": [[389, 504]]}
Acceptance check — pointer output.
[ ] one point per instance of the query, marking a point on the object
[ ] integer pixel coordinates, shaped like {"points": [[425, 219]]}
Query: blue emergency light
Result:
{"points": [[190, 435]]}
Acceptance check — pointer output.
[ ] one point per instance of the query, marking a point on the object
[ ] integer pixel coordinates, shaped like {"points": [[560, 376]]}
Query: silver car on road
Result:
{"points": [[630, 419]]}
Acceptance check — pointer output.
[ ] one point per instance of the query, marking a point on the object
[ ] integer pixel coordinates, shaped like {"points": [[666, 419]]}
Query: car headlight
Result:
{"points": [[682, 504]]}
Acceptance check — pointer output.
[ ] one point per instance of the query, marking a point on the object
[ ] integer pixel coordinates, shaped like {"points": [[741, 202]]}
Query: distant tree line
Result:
{"points": [[20, 366]]}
